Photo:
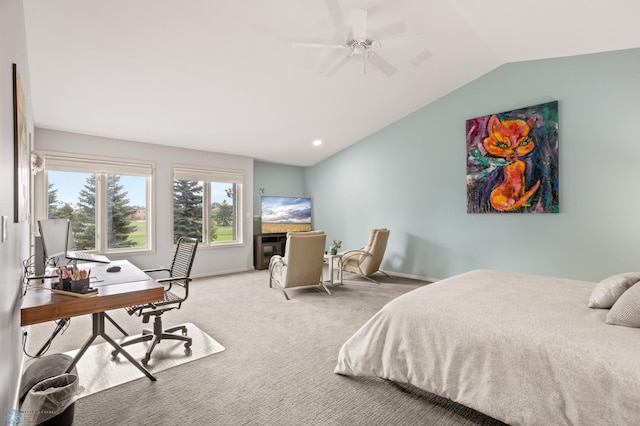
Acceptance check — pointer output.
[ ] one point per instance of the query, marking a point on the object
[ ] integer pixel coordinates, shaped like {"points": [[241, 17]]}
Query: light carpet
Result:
{"points": [[98, 370], [277, 366]]}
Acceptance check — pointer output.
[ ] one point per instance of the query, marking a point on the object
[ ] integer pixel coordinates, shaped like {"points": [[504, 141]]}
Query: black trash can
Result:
{"points": [[47, 393]]}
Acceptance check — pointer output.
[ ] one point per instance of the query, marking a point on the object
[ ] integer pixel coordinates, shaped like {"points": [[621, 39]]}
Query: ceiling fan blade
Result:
{"points": [[401, 40], [322, 45], [390, 30], [381, 63], [359, 24], [331, 71], [335, 11]]}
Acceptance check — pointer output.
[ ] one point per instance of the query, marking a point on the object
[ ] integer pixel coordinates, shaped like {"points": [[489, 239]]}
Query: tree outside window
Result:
{"points": [[187, 209], [207, 209], [125, 222]]}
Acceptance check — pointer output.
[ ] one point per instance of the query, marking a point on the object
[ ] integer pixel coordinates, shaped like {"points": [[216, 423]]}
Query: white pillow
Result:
{"points": [[626, 311], [611, 288]]}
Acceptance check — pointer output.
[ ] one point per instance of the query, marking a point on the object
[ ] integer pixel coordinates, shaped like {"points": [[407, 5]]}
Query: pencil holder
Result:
{"points": [[78, 285], [66, 284]]}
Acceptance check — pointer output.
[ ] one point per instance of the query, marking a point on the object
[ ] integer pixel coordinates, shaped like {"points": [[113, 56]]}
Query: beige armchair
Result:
{"points": [[367, 260], [301, 264]]}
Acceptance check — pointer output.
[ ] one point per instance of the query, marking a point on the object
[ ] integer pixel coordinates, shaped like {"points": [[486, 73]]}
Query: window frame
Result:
{"points": [[100, 167], [207, 176]]}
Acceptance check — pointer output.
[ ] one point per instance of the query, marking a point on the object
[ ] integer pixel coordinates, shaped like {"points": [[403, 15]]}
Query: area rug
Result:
{"points": [[98, 370]]}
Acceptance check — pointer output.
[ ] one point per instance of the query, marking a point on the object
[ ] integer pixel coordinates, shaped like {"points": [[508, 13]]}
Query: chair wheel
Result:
{"points": [[145, 361], [184, 332], [187, 345], [114, 354]]}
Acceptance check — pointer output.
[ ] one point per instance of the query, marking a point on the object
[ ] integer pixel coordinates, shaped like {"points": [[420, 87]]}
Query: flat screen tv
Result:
{"points": [[285, 214]]}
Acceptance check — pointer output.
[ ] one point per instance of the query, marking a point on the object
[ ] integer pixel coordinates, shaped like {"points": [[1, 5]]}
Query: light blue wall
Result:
{"points": [[410, 177], [278, 180]]}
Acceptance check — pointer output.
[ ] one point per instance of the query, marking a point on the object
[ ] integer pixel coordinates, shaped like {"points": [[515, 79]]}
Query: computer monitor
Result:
{"points": [[54, 233], [74, 255]]}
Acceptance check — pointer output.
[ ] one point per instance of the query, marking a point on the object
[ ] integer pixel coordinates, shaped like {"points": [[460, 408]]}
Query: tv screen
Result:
{"points": [[285, 214]]}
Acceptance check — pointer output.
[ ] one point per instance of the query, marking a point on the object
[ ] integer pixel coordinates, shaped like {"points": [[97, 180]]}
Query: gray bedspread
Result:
{"points": [[523, 349]]}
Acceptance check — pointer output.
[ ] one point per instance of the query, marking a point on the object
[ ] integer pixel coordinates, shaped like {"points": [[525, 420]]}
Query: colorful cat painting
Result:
{"points": [[512, 161], [510, 139]]}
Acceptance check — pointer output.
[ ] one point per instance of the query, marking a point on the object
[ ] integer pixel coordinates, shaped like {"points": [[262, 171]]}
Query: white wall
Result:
{"points": [[209, 260], [410, 177], [16, 248]]}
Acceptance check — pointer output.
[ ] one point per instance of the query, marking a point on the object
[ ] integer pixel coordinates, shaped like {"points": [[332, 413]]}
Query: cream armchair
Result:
{"points": [[366, 261], [301, 264]]}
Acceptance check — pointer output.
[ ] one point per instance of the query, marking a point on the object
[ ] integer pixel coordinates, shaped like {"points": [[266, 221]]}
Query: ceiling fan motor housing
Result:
{"points": [[360, 46]]}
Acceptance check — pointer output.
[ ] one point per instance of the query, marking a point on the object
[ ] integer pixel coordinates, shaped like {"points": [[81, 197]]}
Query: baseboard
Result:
{"points": [[226, 272], [391, 273], [410, 276]]}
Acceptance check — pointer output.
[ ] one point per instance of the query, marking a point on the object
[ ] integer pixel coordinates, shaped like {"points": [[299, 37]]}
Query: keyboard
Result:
{"points": [[89, 257]]}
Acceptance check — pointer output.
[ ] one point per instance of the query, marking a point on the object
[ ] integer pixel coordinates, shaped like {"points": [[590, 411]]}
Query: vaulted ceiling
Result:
{"points": [[231, 76]]}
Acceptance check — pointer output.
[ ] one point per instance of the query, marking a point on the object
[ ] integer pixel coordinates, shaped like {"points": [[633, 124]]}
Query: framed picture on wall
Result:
{"points": [[512, 161], [20, 151]]}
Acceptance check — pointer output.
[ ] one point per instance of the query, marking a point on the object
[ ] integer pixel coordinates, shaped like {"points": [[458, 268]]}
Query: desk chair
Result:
{"points": [[175, 293]]}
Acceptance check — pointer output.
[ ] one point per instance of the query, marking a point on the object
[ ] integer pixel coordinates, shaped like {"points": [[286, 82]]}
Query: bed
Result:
{"points": [[523, 349]]}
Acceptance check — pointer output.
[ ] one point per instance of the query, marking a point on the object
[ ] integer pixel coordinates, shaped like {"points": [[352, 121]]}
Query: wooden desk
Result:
{"points": [[41, 305]]}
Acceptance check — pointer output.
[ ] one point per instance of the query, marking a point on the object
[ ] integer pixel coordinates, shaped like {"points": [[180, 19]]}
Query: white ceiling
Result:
{"points": [[223, 75]]}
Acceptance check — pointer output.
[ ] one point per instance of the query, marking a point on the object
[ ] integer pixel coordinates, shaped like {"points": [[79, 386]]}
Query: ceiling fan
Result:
{"points": [[358, 43]]}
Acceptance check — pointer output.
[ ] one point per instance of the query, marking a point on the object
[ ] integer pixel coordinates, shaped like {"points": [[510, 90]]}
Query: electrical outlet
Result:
{"points": [[25, 334]]}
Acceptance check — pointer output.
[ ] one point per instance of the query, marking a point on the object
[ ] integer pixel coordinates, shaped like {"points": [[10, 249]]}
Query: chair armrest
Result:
{"points": [[352, 253], [169, 279], [276, 260], [157, 270]]}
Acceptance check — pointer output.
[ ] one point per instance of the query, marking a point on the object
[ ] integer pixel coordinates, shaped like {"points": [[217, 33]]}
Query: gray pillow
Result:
{"points": [[607, 291], [626, 311]]}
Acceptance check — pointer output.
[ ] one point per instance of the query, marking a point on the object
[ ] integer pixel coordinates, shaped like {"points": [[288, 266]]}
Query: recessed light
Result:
{"points": [[317, 142]]}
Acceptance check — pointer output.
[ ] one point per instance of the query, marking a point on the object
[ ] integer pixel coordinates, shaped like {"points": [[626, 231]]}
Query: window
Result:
{"points": [[106, 200], [207, 204]]}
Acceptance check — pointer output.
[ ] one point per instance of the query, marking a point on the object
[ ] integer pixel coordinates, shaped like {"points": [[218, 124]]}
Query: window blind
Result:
{"points": [[208, 175], [85, 164]]}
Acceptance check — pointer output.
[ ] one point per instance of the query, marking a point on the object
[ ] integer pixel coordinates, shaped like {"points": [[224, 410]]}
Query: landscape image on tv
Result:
{"points": [[285, 214]]}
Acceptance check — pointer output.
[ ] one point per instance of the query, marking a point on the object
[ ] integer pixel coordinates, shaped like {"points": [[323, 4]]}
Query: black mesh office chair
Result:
{"points": [[175, 293]]}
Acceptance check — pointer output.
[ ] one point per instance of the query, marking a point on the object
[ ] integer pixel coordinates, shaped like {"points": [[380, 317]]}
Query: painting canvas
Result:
{"points": [[512, 161], [20, 151]]}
